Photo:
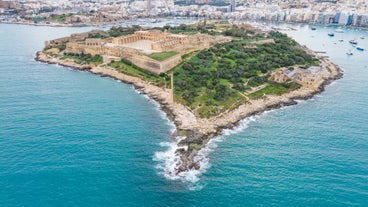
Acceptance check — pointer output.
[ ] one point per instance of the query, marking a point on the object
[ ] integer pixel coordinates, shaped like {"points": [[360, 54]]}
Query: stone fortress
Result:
{"points": [[137, 47], [311, 77]]}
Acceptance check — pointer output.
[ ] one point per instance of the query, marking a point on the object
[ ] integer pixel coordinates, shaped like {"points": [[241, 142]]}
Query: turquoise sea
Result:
{"points": [[70, 138]]}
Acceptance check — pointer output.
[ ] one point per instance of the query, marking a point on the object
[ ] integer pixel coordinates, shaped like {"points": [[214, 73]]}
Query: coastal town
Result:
{"points": [[102, 12], [167, 66]]}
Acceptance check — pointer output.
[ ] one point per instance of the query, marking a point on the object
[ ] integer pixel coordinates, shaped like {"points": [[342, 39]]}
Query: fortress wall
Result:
{"points": [[93, 50], [126, 39], [155, 66], [166, 44], [93, 41], [146, 63], [117, 52], [153, 35], [72, 47], [59, 41], [78, 37], [75, 48], [171, 62]]}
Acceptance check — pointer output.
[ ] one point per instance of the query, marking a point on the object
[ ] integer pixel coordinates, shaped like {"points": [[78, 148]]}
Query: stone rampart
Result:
{"points": [[155, 66], [76, 48]]}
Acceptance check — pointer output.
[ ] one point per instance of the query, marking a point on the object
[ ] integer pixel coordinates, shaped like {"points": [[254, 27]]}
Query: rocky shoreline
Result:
{"points": [[199, 131]]}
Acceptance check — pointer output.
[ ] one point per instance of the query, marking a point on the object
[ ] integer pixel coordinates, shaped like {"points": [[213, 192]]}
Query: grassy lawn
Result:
{"points": [[61, 17], [162, 55], [208, 109], [127, 68], [84, 58], [274, 88]]}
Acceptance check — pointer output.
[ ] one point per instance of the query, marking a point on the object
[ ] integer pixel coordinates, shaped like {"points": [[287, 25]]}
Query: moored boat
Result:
{"points": [[354, 42], [331, 34], [360, 48], [339, 30]]}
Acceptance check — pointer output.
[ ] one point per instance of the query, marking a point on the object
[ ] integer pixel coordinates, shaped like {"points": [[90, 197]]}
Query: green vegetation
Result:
{"points": [[60, 17], [238, 32], [115, 32], [191, 29], [220, 78], [183, 28], [60, 47], [217, 79], [84, 58], [162, 55], [275, 88], [128, 68]]}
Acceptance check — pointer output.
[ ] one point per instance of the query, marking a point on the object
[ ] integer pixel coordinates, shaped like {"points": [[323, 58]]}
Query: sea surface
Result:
{"points": [[70, 138]]}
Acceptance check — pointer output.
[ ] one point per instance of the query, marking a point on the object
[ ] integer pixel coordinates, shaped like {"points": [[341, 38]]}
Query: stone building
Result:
{"points": [[279, 76], [160, 41], [135, 47]]}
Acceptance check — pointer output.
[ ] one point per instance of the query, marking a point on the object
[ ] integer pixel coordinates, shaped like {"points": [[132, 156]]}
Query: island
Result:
{"points": [[206, 77]]}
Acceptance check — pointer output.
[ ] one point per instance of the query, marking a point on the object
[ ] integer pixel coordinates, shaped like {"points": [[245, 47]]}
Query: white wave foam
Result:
{"points": [[331, 84], [243, 124], [169, 161], [300, 101]]}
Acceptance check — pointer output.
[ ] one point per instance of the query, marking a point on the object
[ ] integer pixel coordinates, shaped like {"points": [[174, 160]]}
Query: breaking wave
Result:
{"points": [[169, 160]]}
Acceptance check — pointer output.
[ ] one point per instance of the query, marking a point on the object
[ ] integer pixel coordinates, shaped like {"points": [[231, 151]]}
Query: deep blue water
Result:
{"points": [[69, 138]]}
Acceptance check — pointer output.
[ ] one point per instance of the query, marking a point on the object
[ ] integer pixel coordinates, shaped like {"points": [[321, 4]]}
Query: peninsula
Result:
{"points": [[206, 77]]}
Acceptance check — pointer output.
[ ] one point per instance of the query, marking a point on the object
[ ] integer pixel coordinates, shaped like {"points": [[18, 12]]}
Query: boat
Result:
{"points": [[331, 34], [341, 40], [354, 42], [362, 37], [339, 30], [313, 28], [360, 48], [349, 53]]}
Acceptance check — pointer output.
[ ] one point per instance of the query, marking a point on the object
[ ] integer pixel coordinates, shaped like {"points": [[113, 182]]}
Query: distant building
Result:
{"points": [[345, 19], [336, 18], [279, 76], [330, 1], [232, 6]]}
